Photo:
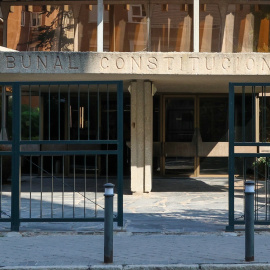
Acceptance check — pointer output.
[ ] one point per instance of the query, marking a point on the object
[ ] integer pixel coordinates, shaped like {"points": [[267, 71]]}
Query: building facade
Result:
{"points": [[175, 58]]}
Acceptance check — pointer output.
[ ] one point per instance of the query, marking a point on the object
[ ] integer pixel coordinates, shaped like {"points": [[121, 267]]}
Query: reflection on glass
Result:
{"points": [[171, 28], [210, 28], [179, 120], [214, 166], [243, 132], [214, 119], [264, 119], [179, 166]]}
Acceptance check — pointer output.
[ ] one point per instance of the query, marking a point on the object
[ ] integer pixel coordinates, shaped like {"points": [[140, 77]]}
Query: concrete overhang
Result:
{"points": [[171, 72], [5, 49]]}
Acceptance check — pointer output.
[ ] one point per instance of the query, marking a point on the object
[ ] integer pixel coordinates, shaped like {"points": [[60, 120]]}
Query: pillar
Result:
{"points": [[76, 13], [141, 136], [196, 25], [100, 23]]}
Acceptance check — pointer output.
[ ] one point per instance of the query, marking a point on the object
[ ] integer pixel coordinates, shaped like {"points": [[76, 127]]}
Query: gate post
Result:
{"points": [[120, 149], [230, 227], [16, 164]]}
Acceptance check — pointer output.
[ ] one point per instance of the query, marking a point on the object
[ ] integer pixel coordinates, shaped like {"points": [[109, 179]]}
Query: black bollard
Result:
{"points": [[108, 223], [249, 221]]}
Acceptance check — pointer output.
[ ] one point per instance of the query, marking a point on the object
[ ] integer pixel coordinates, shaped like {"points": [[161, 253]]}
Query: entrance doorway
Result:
{"points": [[193, 137]]}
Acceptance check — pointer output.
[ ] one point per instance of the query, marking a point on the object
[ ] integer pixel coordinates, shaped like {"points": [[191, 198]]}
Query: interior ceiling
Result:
{"points": [[163, 83]]}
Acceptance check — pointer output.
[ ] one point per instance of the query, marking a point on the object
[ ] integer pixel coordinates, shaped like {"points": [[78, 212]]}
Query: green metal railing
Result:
{"points": [[65, 142], [249, 150]]}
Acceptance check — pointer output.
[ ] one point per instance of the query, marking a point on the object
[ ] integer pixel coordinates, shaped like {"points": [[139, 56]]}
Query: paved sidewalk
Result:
{"points": [[167, 229], [27, 249]]}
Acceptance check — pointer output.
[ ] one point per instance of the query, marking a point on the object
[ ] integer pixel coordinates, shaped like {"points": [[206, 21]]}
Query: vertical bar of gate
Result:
{"points": [[30, 113], [63, 185], [95, 185], [120, 153], [74, 177], [40, 117], [49, 114], [59, 112], [69, 111], [230, 227], [98, 112], [30, 200], [243, 114], [79, 112], [88, 113], [1, 185], [253, 114], [108, 133], [16, 158], [41, 186], [52, 190], [84, 194]]}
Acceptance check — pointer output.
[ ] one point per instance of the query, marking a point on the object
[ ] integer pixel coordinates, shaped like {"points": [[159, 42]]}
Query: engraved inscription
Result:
{"points": [[169, 62], [120, 63], [42, 62], [58, 63], [226, 63], [250, 64], [141, 63], [136, 62], [104, 62], [10, 62], [26, 63], [152, 63]]}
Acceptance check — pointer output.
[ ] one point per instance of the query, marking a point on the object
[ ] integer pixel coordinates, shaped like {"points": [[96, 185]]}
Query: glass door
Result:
{"points": [[178, 136]]}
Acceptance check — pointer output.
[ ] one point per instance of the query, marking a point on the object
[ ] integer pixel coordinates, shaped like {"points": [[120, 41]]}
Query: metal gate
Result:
{"points": [[60, 143], [249, 150]]}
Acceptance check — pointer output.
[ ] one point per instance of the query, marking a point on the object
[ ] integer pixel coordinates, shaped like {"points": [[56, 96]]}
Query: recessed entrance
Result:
{"points": [[193, 138]]}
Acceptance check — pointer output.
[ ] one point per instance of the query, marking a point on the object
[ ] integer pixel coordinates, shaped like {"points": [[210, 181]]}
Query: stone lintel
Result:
{"points": [[141, 63]]}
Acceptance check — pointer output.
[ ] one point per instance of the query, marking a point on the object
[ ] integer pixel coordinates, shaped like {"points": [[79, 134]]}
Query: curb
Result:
{"points": [[248, 266]]}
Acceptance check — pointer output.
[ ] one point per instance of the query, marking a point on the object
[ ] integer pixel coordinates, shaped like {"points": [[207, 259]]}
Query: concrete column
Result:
{"points": [[5, 12], [100, 10], [141, 136], [148, 137], [76, 13], [196, 26]]}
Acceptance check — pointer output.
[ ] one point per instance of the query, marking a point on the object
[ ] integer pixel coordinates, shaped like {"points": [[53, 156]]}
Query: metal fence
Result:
{"points": [[60, 143], [249, 150]]}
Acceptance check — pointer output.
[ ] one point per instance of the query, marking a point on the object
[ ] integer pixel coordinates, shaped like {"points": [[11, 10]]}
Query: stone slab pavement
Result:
{"points": [[181, 230]]}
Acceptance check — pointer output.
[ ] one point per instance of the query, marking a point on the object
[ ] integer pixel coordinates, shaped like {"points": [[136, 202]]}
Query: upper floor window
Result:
{"points": [[92, 15], [35, 19], [23, 18], [136, 13]]}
